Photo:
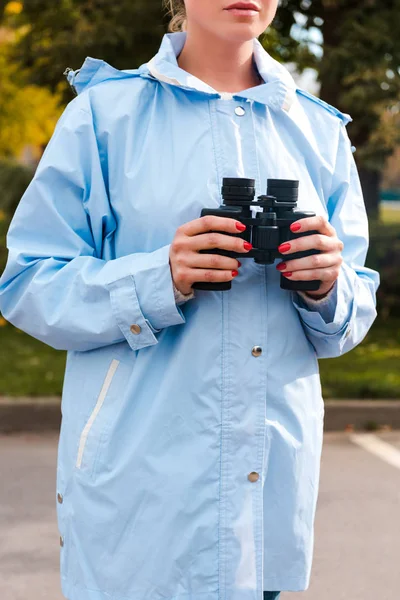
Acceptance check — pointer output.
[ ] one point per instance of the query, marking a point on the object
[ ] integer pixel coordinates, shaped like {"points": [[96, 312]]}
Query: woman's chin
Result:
{"points": [[240, 31]]}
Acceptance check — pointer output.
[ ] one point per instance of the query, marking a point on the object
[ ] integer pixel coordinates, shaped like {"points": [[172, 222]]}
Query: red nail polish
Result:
{"points": [[287, 274], [295, 227], [234, 273], [248, 246], [284, 248], [240, 226], [240, 264], [281, 267]]}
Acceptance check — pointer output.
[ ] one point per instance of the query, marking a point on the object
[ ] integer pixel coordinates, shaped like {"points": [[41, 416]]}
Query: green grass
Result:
{"points": [[371, 370], [29, 367]]}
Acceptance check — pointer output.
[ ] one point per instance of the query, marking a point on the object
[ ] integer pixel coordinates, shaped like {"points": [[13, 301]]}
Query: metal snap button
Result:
{"points": [[239, 111], [61, 541], [256, 351], [135, 328], [60, 498], [253, 476]]}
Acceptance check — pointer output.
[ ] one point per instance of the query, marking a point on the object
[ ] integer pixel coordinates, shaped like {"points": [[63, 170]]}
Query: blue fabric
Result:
{"points": [[167, 409], [272, 595]]}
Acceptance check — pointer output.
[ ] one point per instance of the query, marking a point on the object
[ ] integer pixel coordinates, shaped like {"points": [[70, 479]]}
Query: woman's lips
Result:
{"points": [[243, 12]]}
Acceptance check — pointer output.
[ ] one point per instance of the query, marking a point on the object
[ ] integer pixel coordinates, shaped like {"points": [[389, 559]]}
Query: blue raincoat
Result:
{"points": [[189, 451]]}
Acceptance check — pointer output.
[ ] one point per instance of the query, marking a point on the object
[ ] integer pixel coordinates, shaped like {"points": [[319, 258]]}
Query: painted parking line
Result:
{"points": [[375, 445]]}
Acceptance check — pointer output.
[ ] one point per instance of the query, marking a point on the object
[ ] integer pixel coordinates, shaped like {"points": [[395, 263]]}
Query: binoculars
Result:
{"points": [[266, 231]]}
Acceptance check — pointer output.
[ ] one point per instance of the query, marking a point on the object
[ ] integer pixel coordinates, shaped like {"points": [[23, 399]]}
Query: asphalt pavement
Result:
{"points": [[357, 534]]}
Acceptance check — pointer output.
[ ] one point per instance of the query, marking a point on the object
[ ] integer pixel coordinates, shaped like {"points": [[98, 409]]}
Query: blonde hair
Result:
{"points": [[176, 8]]}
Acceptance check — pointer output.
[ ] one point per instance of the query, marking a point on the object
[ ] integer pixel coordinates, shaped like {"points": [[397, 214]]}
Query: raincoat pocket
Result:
{"points": [[104, 404]]}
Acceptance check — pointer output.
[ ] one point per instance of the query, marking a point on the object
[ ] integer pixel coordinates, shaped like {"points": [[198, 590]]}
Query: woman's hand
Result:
{"points": [[325, 266], [188, 266]]}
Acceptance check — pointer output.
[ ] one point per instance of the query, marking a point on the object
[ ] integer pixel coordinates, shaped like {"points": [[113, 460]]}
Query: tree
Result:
{"points": [[359, 71], [391, 174], [27, 113], [57, 35], [358, 62]]}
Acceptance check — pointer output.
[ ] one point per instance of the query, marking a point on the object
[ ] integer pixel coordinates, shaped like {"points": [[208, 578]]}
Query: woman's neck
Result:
{"points": [[224, 65]]}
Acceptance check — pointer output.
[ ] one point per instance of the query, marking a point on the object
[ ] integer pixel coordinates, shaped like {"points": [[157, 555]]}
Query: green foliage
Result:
{"points": [[4, 224], [27, 113], [358, 62], [384, 256], [358, 68], [14, 179], [57, 35]]}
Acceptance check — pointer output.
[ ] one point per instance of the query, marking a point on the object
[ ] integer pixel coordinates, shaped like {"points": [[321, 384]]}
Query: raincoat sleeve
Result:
{"points": [[340, 321], [56, 286]]}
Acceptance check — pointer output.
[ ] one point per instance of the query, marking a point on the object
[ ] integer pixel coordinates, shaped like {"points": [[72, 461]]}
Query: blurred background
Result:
{"points": [[348, 52]]}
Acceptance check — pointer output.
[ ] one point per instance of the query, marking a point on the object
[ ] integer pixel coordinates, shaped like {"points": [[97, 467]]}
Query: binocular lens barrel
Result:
{"points": [[233, 187], [283, 183], [284, 190]]}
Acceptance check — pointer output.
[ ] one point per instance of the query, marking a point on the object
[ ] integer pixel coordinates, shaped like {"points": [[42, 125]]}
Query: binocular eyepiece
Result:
{"points": [[276, 211]]}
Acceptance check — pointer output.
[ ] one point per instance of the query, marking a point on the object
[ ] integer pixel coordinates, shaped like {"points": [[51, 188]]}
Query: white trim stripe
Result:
{"points": [[289, 99], [152, 69], [226, 95], [95, 412], [376, 446]]}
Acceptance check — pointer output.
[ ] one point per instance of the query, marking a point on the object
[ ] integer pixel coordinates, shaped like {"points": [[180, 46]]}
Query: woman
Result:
{"points": [[189, 452]]}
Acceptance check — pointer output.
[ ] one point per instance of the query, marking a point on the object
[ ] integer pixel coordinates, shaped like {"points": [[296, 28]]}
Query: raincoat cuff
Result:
{"points": [[143, 300], [326, 306], [154, 286], [331, 315]]}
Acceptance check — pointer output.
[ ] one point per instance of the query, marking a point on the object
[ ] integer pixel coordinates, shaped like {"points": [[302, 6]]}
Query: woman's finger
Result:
{"points": [[315, 261], [195, 260], [211, 275], [212, 240], [310, 242], [319, 223], [211, 223], [329, 274]]}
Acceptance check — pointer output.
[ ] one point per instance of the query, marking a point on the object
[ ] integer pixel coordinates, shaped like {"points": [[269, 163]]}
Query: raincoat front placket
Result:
{"points": [[243, 425]]}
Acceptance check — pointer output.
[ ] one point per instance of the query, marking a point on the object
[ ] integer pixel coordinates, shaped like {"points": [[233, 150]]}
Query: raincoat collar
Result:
{"points": [[277, 92]]}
